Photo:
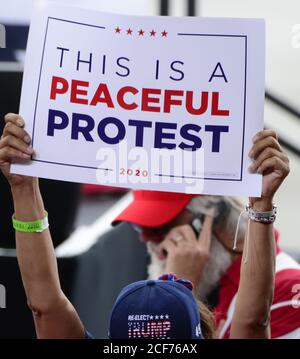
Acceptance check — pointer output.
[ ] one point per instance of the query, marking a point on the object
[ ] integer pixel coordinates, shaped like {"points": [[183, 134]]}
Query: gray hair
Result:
{"points": [[226, 212]]}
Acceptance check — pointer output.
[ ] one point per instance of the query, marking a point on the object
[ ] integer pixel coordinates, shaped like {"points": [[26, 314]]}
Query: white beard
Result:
{"points": [[157, 266], [220, 260]]}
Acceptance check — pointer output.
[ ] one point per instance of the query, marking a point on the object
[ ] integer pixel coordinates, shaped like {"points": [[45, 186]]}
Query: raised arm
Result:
{"points": [[251, 317], [54, 315]]}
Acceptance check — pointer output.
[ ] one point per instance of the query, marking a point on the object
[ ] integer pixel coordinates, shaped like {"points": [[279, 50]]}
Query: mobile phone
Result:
{"points": [[197, 226]]}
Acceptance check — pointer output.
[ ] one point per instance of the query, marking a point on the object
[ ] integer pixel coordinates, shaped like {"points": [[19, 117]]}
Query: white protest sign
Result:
{"points": [[158, 103]]}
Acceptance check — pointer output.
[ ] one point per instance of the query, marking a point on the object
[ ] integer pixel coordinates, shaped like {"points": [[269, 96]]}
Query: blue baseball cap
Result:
{"points": [[156, 309]]}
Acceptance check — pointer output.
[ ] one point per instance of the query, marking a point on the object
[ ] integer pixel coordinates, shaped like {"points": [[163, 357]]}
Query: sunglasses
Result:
{"points": [[196, 225], [158, 230], [136, 227]]}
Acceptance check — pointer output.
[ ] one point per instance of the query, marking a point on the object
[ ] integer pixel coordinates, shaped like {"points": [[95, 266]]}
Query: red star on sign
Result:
{"points": [[164, 34], [129, 31], [141, 32], [152, 33], [118, 30]]}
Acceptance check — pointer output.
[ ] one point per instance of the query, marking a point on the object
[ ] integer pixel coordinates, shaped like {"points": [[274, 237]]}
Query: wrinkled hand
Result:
{"points": [[187, 255], [14, 147], [271, 161]]}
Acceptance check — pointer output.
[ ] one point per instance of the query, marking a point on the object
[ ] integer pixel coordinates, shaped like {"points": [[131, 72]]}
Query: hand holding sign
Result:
{"points": [[272, 162], [14, 146]]}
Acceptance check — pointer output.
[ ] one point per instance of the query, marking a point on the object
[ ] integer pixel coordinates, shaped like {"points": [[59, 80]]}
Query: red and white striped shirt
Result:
{"points": [[285, 310]]}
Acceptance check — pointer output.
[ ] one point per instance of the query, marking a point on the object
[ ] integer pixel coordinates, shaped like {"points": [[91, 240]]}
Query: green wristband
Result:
{"points": [[32, 226]]}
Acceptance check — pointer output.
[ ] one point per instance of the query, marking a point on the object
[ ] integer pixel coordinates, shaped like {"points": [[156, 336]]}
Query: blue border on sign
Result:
{"points": [[160, 175]]}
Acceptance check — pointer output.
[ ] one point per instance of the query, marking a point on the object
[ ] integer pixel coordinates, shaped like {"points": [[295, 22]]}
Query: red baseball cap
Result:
{"points": [[153, 208]]}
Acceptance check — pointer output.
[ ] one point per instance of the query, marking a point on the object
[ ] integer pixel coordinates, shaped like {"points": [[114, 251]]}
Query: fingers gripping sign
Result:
{"points": [[270, 160], [14, 147]]}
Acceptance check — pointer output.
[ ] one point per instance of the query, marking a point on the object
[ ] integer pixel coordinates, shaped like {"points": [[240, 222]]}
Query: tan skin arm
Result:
{"points": [[251, 317], [54, 315]]}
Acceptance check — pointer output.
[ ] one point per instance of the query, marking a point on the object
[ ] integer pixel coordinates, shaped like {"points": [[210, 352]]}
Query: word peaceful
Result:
{"points": [[111, 130]]}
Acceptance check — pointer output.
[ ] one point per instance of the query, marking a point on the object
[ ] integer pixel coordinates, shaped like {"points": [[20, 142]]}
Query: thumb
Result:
{"points": [[5, 167]]}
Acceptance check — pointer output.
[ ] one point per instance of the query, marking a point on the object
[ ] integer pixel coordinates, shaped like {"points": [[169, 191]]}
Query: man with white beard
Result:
{"points": [[221, 253], [214, 265]]}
